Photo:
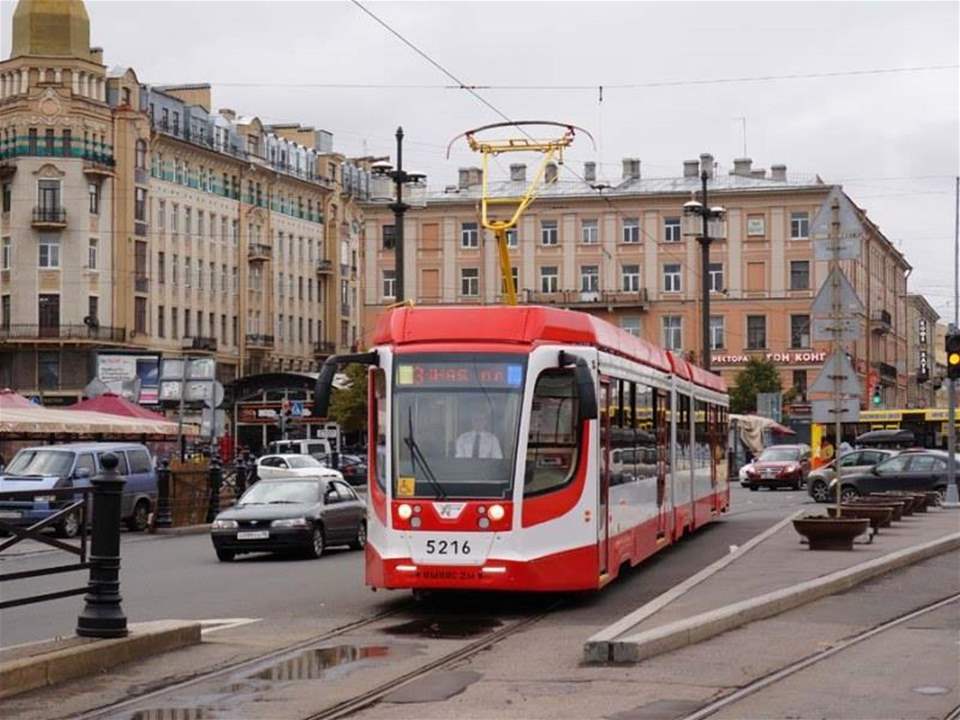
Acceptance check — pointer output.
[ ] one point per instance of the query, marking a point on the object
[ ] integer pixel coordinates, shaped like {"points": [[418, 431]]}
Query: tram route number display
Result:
{"points": [[452, 375]]}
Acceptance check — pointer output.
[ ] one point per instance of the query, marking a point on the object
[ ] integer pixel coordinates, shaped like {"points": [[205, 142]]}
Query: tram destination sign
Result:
{"points": [[459, 374]]}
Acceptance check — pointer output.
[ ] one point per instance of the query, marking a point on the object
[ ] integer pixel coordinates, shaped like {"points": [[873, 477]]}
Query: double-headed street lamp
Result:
{"points": [[399, 207], [699, 219]]}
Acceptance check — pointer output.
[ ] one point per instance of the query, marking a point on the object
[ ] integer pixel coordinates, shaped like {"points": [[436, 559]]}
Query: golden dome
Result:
{"points": [[51, 27]]}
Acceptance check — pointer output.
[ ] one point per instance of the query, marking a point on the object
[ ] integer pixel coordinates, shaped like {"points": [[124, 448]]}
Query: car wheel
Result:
{"points": [[141, 513], [70, 526], [753, 488], [941, 490], [820, 492], [317, 543], [849, 493], [361, 540], [225, 555]]}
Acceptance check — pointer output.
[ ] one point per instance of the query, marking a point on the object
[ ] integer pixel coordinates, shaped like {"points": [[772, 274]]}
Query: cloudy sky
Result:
{"points": [[890, 138]]}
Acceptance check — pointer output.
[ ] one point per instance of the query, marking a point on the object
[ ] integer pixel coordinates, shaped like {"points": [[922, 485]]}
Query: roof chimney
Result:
{"points": [[706, 164], [550, 173], [518, 172], [631, 168], [741, 166], [778, 172], [463, 178], [691, 168], [474, 176], [758, 173], [228, 114], [590, 172]]}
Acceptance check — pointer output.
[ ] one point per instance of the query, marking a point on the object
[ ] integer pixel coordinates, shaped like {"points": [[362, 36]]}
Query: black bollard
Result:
{"points": [[242, 470], [102, 616], [164, 519], [216, 481], [252, 477]]}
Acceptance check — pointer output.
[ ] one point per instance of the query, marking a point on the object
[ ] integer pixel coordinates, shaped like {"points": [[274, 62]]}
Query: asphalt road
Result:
{"points": [[166, 577]]}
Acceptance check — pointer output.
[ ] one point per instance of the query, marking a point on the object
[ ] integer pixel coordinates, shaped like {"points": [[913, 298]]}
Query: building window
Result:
{"points": [[187, 273], [716, 332], [631, 230], [589, 232], [161, 321], [671, 229], [799, 225], [756, 332], [92, 249], [799, 331], [49, 196], [7, 192], [470, 282], [161, 268], [93, 307], [800, 384], [548, 232], [50, 141], [6, 254], [469, 235], [515, 274], [174, 323], [5, 312], [631, 325], [48, 311], [716, 277], [141, 155], [756, 226], [671, 277], [389, 237], [630, 277], [389, 284], [549, 279], [589, 278], [93, 195], [799, 274], [186, 323], [140, 315], [140, 204], [512, 240], [49, 251], [32, 141], [48, 370], [672, 332]]}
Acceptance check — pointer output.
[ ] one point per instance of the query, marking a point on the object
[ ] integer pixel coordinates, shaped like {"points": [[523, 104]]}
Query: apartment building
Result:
{"points": [[924, 373], [619, 251], [137, 218]]}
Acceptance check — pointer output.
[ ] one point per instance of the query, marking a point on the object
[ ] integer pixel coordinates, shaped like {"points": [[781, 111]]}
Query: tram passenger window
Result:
{"points": [[682, 415], [646, 439], [554, 434], [701, 446]]}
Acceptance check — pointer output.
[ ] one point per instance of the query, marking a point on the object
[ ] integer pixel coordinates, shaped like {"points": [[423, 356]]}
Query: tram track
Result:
{"points": [[785, 672], [364, 700], [113, 709]]}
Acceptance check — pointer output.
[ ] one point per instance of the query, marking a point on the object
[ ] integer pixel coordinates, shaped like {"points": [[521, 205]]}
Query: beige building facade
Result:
{"points": [[137, 218], [620, 252]]}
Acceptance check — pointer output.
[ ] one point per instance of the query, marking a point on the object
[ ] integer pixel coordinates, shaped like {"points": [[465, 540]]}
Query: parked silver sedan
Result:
{"points": [[857, 461]]}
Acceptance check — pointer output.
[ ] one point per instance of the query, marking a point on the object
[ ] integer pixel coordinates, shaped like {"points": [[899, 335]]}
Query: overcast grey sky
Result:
{"points": [[890, 139]]}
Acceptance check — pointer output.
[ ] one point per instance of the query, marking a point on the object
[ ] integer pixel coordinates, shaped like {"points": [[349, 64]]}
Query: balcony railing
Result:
{"points": [[99, 165], [886, 370], [324, 347], [586, 300], [49, 217], [882, 322], [199, 342], [97, 333], [259, 251], [259, 341], [324, 267]]}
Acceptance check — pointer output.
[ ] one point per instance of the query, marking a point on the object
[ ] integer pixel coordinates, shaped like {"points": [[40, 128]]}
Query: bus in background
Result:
{"points": [[530, 449]]}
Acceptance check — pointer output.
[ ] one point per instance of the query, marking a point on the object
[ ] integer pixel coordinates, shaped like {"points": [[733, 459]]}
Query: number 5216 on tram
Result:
{"points": [[530, 448]]}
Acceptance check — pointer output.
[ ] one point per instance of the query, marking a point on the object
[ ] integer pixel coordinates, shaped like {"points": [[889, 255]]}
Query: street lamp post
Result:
{"points": [[400, 178], [692, 211]]}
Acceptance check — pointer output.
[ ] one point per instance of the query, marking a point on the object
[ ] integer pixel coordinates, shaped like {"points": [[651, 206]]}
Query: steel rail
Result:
{"points": [[806, 662], [373, 696], [110, 710]]}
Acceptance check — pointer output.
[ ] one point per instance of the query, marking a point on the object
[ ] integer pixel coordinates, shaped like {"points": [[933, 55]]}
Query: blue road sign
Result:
{"points": [[296, 409]]}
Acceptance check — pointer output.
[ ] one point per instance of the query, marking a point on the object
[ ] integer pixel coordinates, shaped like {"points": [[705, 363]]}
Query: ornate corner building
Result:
{"points": [[136, 218]]}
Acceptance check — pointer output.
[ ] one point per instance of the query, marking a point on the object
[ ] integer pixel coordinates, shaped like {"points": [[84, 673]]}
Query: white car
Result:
{"points": [[742, 475], [270, 467]]}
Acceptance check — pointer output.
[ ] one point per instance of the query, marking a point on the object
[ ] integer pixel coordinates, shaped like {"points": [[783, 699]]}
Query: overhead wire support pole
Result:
{"points": [[705, 276], [951, 383], [835, 342]]}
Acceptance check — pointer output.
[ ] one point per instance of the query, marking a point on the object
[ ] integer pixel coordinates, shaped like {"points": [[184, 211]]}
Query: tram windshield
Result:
{"points": [[455, 424]]}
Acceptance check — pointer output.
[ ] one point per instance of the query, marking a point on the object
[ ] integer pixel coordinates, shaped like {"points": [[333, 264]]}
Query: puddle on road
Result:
{"points": [[445, 627], [315, 664]]}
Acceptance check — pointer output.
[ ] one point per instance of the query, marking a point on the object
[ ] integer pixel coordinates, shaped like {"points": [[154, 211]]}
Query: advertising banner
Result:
{"points": [[133, 376]]}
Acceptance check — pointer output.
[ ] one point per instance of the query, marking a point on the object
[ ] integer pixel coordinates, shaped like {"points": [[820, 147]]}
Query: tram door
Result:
{"points": [[603, 484], [661, 400]]}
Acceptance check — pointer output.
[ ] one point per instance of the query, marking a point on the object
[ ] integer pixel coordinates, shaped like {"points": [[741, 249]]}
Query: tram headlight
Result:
{"points": [[404, 512], [496, 512]]}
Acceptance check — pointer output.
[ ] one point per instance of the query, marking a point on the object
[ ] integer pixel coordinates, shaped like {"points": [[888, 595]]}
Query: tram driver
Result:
{"points": [[479, 442]]}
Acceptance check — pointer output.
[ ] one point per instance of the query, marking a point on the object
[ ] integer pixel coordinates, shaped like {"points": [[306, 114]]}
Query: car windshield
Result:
{"points": [[282, 492], [455, 424], [304, 461], [41, 462], [781, 454]]}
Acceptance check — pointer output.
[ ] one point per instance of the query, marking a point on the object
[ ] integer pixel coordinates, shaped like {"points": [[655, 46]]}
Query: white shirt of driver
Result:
{"points": [[489, 445]]}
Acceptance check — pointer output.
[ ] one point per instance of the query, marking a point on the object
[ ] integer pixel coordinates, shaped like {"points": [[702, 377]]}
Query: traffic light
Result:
{"points": [[877, 396], [953, 355]]}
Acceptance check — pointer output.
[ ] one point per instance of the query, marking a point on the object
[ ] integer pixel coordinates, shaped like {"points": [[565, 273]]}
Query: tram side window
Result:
{"points": [[380, 398], [682, 416], [553, 444], [701, 446], [645, 424]]}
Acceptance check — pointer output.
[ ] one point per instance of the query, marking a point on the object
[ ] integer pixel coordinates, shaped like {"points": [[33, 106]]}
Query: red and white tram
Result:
{"points": [[530, 448]]}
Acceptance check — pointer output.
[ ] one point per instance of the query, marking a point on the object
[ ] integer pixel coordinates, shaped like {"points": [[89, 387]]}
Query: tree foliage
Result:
{"points": [[349, 406], [759, 376]]}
